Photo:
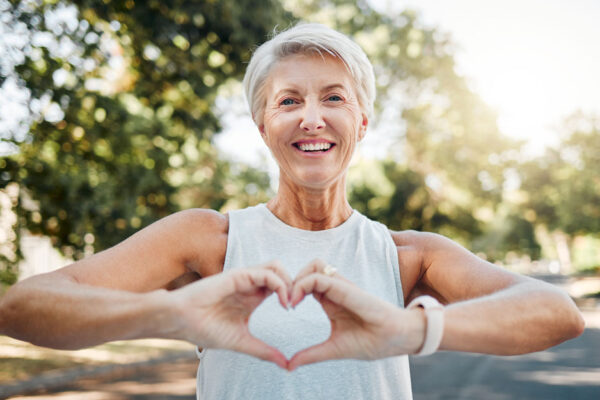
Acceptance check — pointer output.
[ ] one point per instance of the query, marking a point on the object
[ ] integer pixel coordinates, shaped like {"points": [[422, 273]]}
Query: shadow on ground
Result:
{"points": [[168, 381], [568, 371]]}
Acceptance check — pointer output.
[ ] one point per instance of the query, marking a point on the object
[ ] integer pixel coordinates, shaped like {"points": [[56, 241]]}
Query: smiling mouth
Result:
{"points": [[314, 147]]}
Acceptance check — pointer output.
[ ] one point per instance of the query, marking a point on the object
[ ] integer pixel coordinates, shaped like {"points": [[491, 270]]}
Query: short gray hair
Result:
{"points": [[302, 39]]}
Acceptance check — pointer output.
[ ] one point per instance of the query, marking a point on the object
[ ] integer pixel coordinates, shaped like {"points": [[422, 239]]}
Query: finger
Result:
{"points": [[266, 278], [276, 267], [316, 265], [338, 291], [314, 283], [320, 352], [259, 349]]}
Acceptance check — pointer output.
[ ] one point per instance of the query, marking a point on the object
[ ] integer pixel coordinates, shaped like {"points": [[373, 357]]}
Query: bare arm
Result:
{"points": [[489, 309], [115, 294], [52, 310]]}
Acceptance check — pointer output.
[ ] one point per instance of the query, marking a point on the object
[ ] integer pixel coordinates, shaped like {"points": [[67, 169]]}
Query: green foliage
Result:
{"points": [[401, 199], [448, 158], [511, 233], [122, 96], [562, 187], [134, 84]]}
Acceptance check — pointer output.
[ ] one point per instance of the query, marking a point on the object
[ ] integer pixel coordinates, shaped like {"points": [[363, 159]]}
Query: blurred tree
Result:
{"points": [[401, 199], [447, 158], [120, 95], [561, 188]]}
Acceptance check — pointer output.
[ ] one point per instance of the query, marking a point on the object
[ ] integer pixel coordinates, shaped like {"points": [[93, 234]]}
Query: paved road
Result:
{"points": [[168, 381], [570, 371]]}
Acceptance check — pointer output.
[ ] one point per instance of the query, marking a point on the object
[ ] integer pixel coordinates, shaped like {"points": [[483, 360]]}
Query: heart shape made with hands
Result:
{"points": [[345, 322], [290, 330], [338, 325]]}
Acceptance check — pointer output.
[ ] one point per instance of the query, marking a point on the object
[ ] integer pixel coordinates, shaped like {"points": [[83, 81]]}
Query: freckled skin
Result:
{"points": [[302, 104]]}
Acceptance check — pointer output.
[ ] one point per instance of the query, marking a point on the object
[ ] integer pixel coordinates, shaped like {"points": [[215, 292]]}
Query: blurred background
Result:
{"points": [[114, 114]]}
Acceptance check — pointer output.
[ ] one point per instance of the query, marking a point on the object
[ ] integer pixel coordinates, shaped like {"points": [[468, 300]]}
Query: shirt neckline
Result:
{"points": [[331, 233]]}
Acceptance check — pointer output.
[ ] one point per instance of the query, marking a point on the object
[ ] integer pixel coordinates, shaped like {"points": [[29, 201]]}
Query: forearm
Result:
{"points": [[526, 317], [55, 311]]}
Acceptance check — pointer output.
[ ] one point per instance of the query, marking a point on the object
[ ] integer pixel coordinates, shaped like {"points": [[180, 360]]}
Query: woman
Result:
{"points": [[311, 93]]}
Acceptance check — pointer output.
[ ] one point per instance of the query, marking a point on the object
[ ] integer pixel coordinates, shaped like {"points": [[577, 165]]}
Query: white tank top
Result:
{"points": [[363, 252]]}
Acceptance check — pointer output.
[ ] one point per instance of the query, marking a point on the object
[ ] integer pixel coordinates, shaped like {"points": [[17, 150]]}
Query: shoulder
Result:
{"points": [[429, 247], [416, 253], [194, 238], [444, 266], [190, 243], [200, 220], [413, 243], [204, 233], [421, 240], [188, 225], [424, 244]]}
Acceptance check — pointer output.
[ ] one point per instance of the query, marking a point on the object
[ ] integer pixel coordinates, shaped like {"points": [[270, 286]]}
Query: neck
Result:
{"points": [[311, 209]]}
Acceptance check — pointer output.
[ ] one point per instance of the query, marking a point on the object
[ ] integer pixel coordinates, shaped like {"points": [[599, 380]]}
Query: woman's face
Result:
{"points": [[312, 119]]}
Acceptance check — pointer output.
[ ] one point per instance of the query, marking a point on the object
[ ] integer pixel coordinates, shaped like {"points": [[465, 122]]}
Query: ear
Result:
{"points": [[261, 129], [362, 131]]}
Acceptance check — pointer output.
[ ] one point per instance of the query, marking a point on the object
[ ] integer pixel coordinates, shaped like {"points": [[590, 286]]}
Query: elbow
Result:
{"points": [[572, 319], [567, 321], [570, 324], [564, 322], [577, 325]]}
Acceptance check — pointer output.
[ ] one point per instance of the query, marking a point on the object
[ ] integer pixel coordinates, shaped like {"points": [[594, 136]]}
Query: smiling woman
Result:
{"points": [[310, 124], [348, 278]]}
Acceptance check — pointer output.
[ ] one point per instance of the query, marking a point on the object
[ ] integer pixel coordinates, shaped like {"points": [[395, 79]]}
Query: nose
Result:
{"points": [[312, 119]]}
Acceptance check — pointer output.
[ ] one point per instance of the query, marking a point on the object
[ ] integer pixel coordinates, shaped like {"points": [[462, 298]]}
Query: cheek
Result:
{"points": [[351, 120], [275, 121], [276, 130]]}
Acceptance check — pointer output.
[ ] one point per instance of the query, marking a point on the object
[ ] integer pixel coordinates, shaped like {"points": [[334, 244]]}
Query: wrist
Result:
{"points": [[419, 329], [408, 331], [164, 315], [433, 313]]}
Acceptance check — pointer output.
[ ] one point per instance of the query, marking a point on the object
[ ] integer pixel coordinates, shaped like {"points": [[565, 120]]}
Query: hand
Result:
{"points": [[362, 326], [214, 311]]}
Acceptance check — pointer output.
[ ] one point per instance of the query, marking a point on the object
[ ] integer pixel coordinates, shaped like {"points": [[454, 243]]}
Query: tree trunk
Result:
{"points": [[561, 241]]}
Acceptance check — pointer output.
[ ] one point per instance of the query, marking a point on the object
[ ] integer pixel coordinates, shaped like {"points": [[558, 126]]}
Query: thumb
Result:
{"points": [[319, 352]]}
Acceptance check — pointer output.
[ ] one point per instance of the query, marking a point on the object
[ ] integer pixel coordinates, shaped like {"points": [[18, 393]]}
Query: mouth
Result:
{"points": [[317, 147]]}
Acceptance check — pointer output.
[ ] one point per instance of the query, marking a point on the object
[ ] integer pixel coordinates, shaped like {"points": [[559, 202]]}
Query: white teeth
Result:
{"points": [[314, 146]]}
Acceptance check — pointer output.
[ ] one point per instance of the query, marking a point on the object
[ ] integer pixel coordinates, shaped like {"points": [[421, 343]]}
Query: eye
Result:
{"points": [[287, 102], [334, 97]]}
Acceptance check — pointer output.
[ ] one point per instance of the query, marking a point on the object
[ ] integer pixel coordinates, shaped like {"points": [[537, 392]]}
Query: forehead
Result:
{"points": [[302, 73]]}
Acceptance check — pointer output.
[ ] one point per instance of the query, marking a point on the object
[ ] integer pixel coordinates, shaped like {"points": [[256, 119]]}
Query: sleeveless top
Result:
{"points": [[363, 251]]}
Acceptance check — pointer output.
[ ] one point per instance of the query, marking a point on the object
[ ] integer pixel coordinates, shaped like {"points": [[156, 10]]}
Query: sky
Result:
{"points": [[534, 61]]}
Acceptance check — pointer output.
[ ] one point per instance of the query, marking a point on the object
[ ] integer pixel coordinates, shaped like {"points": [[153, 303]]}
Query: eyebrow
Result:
{"points": [[297, 92], [334, 86]]}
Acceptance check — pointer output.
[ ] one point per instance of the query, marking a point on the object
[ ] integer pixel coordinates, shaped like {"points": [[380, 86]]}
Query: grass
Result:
{"points": [[21, 360], [588, 271]]}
